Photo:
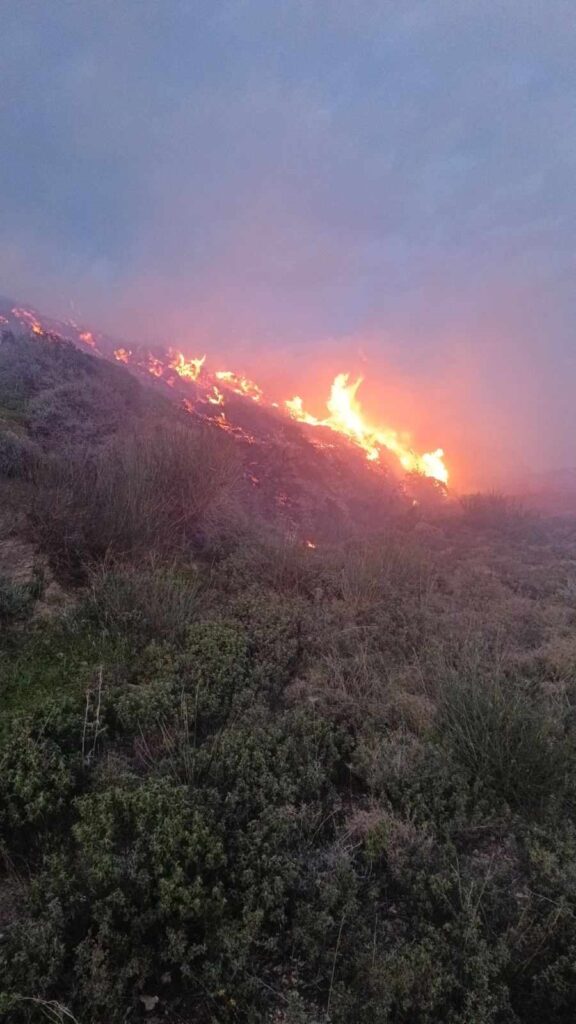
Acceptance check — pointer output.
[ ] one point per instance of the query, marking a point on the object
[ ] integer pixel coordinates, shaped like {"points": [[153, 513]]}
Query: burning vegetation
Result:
{"points": [[344, 417]]}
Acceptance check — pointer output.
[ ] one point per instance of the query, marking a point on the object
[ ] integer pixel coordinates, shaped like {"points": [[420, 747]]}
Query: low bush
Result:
{"points": [[505, 738], [17, 599], [152, 602], [493, 510], [163, 492], [18, 456]]}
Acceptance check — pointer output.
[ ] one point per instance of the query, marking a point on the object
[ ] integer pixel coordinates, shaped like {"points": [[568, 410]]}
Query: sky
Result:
{"points": [[306, 186]]}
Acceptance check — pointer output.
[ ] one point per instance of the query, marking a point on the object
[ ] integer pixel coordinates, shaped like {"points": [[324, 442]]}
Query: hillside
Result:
{"points": [[284, 736]]}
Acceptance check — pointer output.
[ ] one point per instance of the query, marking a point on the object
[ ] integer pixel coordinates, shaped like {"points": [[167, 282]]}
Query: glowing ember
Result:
{"points": [[310, 544], [88, 338], [188, 368], [28, 318], [241, 385], [122, 355], [155, 366]]}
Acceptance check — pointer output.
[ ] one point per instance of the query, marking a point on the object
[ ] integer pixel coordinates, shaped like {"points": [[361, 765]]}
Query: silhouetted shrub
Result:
{"points": [[16, 599], [493, 510]]}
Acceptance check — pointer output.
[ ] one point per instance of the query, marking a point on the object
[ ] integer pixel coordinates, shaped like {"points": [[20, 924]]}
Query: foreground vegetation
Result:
{"points": [[245, 780]]}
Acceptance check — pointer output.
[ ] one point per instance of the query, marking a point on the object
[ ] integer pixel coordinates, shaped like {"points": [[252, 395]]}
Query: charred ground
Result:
{"points": [[243, 778]]}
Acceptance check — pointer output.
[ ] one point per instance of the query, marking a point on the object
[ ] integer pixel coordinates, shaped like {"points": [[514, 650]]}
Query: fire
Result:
{"points": [[295, 407], [346, 417], [241, 385], [155, 366], [215, 397], [188, 368]]}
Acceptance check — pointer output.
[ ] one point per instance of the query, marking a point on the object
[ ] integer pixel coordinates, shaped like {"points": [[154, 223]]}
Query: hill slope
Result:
{"points": [[244, 779]]}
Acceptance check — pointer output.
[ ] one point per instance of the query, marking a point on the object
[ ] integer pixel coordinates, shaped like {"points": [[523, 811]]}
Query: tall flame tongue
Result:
{"points": [[346, 418]]}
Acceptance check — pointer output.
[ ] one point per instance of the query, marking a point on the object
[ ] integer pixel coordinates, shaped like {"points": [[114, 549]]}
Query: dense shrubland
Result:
{"points": [[243, 780]]}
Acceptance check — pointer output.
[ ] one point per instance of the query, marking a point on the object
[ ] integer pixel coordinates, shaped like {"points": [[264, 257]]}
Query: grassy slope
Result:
{"points": [[241, 780]]}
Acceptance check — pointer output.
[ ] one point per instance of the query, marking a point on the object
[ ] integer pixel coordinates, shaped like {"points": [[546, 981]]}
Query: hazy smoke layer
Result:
{"points": [[376, 187]]}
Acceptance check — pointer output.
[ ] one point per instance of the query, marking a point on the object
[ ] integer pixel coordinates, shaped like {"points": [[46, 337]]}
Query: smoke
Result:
{"points": [[301, 189]]}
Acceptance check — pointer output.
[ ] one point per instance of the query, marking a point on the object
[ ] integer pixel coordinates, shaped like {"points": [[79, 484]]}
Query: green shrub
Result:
{"points": [[206, 677], [147, 603], [505, 738], [36, 785]]}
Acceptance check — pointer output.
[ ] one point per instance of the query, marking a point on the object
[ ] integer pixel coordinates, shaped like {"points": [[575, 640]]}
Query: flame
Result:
{"points": [[88, 338], [346, 417], [122, 355], [311, 544], [188, 368], [241, 385], [215, 397], [295, 407]]}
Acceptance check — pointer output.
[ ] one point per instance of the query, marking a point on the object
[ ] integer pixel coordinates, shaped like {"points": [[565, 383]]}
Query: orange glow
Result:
{"points": [[88, 338], [310, 544], [122, 355]]}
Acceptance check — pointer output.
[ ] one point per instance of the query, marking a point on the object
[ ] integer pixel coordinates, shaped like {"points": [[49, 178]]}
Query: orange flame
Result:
{"points": [[215, 397], [122, 355], [241, 385], [188, 368], [346, 418], [88, 338]]}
